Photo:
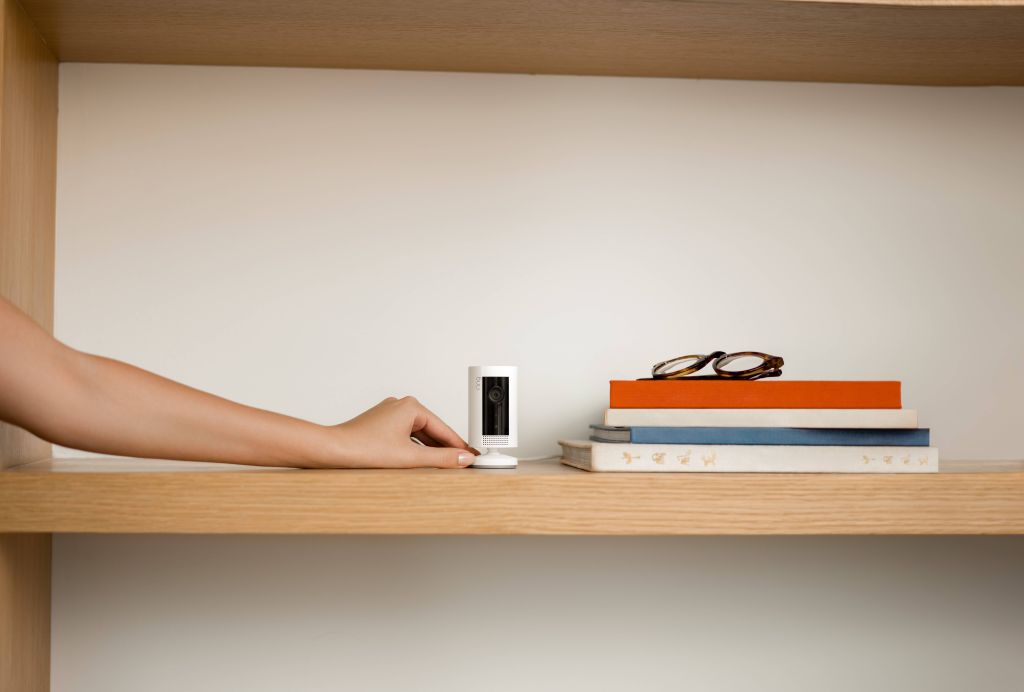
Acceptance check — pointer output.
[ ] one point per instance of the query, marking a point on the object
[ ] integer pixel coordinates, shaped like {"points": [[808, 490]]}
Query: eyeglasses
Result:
{"points": [[686, 366]]}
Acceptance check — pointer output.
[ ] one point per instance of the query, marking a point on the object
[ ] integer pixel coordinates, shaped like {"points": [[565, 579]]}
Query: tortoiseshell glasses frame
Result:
{"points": [[770, 366]]}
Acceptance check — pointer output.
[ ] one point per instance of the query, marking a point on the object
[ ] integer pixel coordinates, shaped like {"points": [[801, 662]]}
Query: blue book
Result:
{"points": [[827, 437]]}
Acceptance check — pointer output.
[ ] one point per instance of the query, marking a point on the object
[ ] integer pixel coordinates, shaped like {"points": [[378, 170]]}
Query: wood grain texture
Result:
{"points": [[28, 173], [938, 42], [95, 496], [28, 180], [24, 612]]}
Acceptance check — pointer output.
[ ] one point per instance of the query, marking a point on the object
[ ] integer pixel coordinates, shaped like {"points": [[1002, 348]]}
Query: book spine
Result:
{"points": [[761, 418], [781, 436], [761, 459], [746, 394]]}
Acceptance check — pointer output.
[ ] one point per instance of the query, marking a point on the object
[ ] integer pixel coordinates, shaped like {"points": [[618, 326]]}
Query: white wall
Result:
{"points": [[313, 614], [314, 240]]}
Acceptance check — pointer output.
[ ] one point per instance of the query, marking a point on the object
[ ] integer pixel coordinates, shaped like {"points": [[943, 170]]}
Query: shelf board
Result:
{"points": [[938, 42], [541, 497]]}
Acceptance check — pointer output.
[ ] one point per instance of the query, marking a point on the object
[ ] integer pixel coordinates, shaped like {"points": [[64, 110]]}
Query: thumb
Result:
{"points": [[444, 457]]}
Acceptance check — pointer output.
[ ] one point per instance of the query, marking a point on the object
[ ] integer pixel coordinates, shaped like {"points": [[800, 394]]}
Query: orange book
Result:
{"points": [[753, 394]]}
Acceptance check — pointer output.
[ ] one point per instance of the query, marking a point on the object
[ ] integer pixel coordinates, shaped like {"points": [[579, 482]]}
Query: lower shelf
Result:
{"points": [[541, 497]]}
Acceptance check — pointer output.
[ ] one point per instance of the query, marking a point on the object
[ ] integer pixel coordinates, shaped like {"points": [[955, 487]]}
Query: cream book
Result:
{"points": [[760, 418], [612, 456]]}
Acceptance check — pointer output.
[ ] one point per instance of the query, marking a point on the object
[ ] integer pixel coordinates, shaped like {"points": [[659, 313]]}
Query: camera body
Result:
{"points": [[493, 419]]}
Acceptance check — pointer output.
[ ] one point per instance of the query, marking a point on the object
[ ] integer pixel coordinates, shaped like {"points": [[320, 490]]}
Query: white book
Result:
{"points": [[611, 456], [761, 418]]}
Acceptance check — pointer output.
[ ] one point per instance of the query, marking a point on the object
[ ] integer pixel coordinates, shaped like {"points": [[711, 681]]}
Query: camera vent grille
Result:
{"points": [[495, 440]]}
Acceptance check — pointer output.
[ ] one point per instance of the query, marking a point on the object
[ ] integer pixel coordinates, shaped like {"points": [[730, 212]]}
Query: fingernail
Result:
{"points": [[466, 459]]}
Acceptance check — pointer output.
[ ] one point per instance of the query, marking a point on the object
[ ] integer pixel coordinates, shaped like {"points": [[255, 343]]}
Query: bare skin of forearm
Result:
{"points": [[101, 405], [115, 408]]}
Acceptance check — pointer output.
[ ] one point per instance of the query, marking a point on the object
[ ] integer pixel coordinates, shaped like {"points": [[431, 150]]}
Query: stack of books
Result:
{"points": [[755, 426]]}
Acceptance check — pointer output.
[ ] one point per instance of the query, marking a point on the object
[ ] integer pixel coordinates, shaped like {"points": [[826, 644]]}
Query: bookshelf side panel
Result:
{"points": [[28, 170]]}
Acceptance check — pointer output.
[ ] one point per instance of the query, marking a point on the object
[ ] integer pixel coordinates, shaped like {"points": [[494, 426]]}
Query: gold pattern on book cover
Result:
{"points": [[708, 459]]}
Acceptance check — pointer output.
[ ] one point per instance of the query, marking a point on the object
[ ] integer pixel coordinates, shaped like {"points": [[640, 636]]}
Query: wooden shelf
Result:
{"points": [[138, 496], [939, 42]]}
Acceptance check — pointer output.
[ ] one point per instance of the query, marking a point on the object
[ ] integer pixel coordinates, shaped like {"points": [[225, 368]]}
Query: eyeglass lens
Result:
{"points": [[739, 363], [682, 364]]}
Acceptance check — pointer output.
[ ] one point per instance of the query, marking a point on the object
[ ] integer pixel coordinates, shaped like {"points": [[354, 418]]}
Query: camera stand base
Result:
{"points": [[494, 460]]}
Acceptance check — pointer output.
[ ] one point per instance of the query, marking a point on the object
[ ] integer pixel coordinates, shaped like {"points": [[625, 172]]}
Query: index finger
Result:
{"points": [[426, 422]]}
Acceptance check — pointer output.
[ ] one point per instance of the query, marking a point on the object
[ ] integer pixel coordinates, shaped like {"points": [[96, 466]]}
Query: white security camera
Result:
{"points": [[493, 390]]}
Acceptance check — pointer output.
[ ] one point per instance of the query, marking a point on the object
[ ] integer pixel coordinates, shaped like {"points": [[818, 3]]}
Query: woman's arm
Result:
{"points": [[102, 405]]}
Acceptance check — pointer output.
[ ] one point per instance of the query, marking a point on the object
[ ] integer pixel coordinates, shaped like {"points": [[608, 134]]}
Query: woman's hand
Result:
{"points": [[101, 405], [384, 436]]}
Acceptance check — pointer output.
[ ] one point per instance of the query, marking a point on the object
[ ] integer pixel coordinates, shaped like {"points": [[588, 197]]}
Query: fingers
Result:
{"points": [[431, 430], [426, 439], [442, 457]]}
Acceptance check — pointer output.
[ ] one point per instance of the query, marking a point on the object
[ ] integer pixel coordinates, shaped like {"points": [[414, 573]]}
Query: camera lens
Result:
{"points": [[495, 394]]}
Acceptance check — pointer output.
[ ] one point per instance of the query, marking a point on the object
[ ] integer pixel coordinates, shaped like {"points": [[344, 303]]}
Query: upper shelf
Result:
{"points": [[937, 42], [136, 496]]}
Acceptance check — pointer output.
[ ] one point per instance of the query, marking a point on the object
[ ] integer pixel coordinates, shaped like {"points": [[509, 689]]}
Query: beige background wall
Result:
{"points": [[314, 240]]}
